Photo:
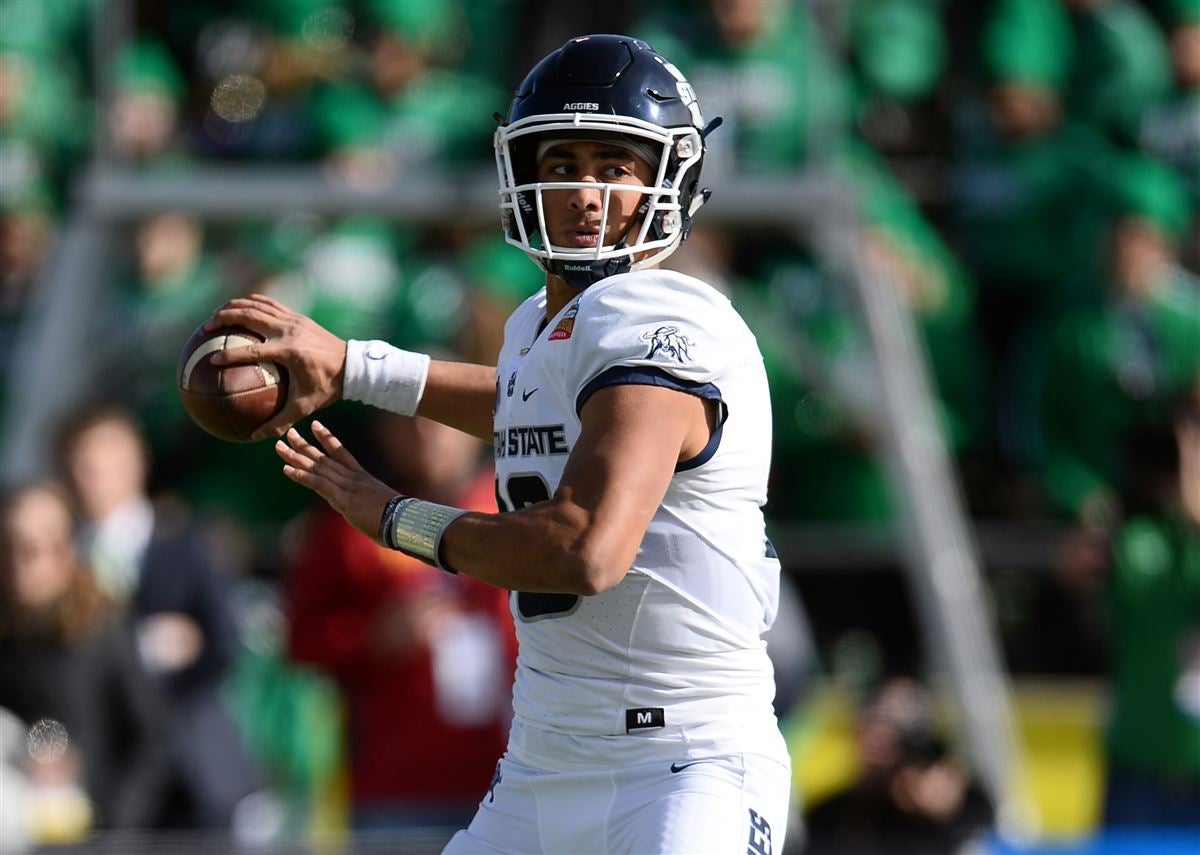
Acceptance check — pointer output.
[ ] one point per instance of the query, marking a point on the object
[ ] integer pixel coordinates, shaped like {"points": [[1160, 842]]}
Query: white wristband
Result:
{"points": [[384, 376]]}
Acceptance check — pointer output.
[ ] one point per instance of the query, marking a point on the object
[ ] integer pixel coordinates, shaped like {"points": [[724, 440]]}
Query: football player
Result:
{"points": [[630, 420]]}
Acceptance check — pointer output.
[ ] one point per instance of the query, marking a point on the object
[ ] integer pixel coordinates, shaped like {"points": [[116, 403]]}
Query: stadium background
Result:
{"points": [[157, 159]]}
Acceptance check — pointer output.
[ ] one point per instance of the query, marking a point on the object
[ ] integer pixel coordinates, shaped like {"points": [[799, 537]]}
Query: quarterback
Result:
{"points": [[630, 420]]}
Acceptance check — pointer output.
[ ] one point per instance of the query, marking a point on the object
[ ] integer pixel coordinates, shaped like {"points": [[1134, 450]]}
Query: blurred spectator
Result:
{"points": [[1103, 63], [259, 68], [1110, 370], [148, 90], [1027, 210], [43, 118], [306, 42], [765, 69], [347, 277], [912, 797], [27, 225], [1154, 593], [94, 727], [898, 47], [292, 721], [43, 130], [419, 108], [1185, 35], [174, 287], [1120, 65], [154, 562], [897, 51], [1112, 364], [1025, 180], [1171, 131], [424, 661], [176, 281], [366, 278], [819, 363]]}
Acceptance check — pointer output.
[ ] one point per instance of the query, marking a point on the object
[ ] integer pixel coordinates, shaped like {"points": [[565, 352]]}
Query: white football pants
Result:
{"points": [[734, 805]]}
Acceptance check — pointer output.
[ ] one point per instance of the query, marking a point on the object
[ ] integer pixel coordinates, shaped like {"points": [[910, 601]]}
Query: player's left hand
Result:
{"points": [[336, 476]]}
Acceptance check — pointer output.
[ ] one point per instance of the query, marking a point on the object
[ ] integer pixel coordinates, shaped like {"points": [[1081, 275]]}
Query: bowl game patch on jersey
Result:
{"points": [[565, 326]]}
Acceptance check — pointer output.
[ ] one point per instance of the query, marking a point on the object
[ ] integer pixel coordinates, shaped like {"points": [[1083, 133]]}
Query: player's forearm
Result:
{"points": [[461, 395], [553, 547]]}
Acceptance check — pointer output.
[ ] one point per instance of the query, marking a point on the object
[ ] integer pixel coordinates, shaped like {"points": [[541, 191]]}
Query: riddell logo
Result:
{"points": [[580, 105]]}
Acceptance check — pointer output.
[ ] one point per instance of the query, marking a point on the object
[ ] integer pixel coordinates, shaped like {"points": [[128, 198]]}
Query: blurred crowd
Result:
{"points": [[189, 643]]}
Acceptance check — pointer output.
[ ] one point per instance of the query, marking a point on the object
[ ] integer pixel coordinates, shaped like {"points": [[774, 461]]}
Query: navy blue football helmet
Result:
{"points": [[601, 87]]}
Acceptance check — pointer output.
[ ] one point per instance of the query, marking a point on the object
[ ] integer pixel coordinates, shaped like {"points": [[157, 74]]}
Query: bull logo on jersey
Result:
{"points": [[666, 339]]}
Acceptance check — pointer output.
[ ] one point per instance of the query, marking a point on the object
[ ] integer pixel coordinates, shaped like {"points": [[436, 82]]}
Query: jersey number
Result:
{"points": [[523, 491]]}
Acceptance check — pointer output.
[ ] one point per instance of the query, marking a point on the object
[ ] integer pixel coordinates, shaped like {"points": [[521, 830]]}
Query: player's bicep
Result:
{"points": [[631, 439]]}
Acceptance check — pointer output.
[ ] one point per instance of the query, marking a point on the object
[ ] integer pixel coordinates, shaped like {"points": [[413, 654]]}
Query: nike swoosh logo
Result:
{"points": [[526, 393], [679, 767]]}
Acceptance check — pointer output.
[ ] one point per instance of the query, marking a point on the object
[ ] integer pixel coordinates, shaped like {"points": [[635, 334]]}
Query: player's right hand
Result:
{"points": [[314, 357], [333, 473]]}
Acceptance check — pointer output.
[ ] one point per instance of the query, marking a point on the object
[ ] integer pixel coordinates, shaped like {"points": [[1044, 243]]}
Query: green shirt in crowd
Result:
{"points": [[780, 93], [1155, 601], [1109, 367]]}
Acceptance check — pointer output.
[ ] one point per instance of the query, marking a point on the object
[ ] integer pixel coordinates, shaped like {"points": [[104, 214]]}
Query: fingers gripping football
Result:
{"points": [[314, 357], [333, 473]]}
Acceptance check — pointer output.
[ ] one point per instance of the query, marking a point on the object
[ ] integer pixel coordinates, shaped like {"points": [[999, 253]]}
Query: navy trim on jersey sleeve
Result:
{"points": [[630, 375], [706, 453]]}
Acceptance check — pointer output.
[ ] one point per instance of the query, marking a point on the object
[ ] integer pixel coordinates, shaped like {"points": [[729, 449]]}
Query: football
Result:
{"points": [[228, 401]]}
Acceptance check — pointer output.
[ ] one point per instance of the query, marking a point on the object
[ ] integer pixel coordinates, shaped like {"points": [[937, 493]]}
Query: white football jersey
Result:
{"points": [[671, 658]]}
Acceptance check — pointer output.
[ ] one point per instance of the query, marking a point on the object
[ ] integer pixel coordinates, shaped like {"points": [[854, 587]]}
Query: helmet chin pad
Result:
{"points": [[582, 274]]}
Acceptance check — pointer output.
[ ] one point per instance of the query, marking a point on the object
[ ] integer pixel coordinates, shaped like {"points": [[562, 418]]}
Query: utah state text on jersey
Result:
{"points": [[525, 440]]}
